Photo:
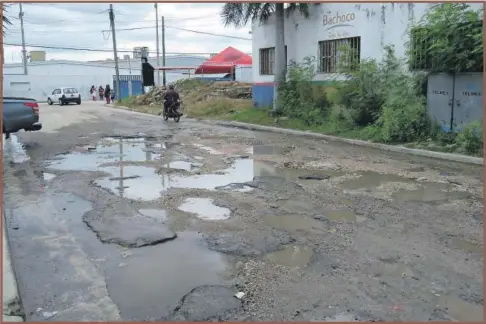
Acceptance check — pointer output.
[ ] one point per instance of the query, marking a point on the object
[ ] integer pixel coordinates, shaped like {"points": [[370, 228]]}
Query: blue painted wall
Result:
{"points": [[262, 94], [136, 84]]}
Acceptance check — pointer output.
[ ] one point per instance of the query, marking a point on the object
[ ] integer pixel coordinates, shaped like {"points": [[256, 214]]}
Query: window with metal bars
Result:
{"points": [[267, 60], [339, 55], [419, 44]]}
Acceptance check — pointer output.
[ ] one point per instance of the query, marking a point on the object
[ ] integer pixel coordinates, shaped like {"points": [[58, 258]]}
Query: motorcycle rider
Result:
{"points": [[171, 97]]}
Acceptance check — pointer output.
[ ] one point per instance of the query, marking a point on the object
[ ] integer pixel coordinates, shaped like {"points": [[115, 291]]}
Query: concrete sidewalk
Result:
{"points": [[11, 300]]}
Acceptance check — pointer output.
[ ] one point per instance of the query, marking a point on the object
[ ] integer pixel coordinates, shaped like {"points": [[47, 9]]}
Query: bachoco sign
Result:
{"points": [[338, 19]]}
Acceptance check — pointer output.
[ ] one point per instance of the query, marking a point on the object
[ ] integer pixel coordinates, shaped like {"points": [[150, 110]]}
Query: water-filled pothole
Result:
{"points": [[142, 182], [468, 246], [461, 310], [291, 256], [151, 281], [108, 150], [204, 208], [428, 192]]}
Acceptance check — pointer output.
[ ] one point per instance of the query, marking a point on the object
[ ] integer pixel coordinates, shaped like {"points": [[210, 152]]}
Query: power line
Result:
{"points": [[183, 29], [100, 50]]}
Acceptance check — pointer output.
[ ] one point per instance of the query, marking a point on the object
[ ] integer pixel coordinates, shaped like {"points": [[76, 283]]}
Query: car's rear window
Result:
{"points": [[70, 90]]}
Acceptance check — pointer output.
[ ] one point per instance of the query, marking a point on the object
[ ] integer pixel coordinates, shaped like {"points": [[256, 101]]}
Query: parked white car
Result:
{"points": [[64, 96]]}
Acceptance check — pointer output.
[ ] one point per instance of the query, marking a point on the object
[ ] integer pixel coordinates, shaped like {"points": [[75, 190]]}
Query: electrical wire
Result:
{"points": [[102, 50], [182, 29]]}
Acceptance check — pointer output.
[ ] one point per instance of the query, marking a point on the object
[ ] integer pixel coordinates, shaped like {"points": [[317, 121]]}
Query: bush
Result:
{"points": [[296, 95], [471, 139]]}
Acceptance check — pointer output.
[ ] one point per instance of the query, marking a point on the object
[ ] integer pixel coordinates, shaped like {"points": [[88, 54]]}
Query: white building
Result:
{"points": [[44, 76], [366, 27]]}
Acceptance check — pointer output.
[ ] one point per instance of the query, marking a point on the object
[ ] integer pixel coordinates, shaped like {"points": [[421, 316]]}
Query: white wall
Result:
{"points": [[244, 74], [44, 77], [378, 25]]}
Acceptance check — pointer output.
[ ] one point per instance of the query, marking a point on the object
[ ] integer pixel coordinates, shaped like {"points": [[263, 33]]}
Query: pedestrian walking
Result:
{"points": [[108, 94], [101, 92], [93, 92]]}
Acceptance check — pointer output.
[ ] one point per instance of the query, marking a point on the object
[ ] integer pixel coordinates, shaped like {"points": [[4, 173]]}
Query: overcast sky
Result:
{"points": [[82, 26]]}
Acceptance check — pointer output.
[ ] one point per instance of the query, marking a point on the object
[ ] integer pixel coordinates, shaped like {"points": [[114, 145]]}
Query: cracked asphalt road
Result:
{"points": [[113, 215]]}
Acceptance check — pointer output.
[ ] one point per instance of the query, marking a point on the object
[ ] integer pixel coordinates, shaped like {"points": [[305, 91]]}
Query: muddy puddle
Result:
{"points": [[460, 310], [149, 282], [142, 182], [204, 208], [428, 192], [468, 246], [291, 256], [431, 192]]}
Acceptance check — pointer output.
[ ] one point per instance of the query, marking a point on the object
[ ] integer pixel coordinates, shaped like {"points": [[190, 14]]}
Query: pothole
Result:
{"points": [[154, 279], [468, 246], [109, 150], [461, 310], [427, 192], [205, 209], [291, 256]]}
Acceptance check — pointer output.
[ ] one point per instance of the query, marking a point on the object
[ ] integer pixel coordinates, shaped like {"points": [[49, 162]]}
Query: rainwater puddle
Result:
{"points": [[291, 256], [14, 150], [468, 246], [370, 179], [431, 192], [428, 192], [294, 175], [204, 209], [291, 222], [461, 310], [109, 150], [144, 183], [342, 215], [134, 182], [153, 279]]}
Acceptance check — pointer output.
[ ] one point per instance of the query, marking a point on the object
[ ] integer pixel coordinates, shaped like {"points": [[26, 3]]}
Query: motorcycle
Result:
{"points": [[173, 111]]}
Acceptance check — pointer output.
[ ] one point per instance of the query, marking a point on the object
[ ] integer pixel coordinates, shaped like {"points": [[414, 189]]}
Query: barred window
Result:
{"points": [[339, 55], [267, 60], [419, 45]]}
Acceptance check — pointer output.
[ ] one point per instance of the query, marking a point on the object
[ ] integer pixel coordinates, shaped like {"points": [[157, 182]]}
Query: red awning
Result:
{"points": [[224, 62]]}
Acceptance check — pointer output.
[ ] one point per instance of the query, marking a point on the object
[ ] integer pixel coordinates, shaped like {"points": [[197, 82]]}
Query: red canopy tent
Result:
{"points": [[224, 62]]}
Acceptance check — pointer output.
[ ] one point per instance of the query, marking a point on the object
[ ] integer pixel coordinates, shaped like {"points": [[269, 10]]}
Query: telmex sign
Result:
{"points": [[337, 19]]}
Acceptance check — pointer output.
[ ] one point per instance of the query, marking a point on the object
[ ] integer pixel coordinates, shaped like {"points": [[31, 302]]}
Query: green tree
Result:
{"points": [[449, 38], [240, 14]]}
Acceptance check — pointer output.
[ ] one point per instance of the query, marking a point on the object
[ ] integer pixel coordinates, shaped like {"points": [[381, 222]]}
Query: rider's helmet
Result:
{"points": [[171, 87]]}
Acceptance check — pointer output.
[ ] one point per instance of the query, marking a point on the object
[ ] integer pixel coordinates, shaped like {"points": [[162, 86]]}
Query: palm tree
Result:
{"points": [[5, 20], [239, 14]]}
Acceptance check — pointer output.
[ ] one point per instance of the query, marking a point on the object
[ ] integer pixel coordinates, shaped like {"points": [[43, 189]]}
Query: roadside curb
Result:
{"points": [[390, 148], [11, 298]]}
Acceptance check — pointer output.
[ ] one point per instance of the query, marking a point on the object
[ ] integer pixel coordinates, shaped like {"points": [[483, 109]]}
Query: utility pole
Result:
{"points": [[163, 52], [24, 51], [157, 41], [115, 53]]}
